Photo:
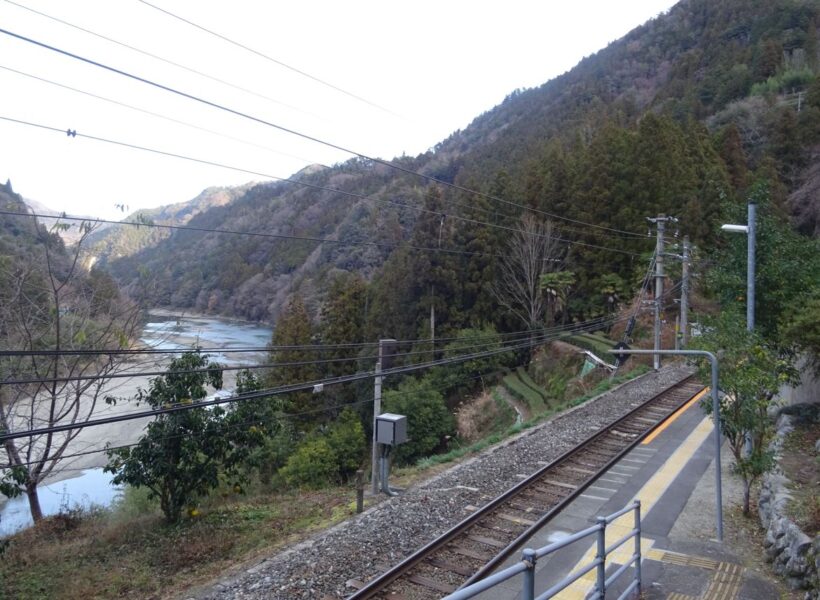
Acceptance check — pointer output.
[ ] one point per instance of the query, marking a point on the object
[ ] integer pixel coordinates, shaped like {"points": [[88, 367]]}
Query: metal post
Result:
{"points": [[601, 556], [528, 591], [684, 295], [661, 223], [677, 332], [638, 548], [715, 416], [359, 491], [377, 410], [750, 267]]}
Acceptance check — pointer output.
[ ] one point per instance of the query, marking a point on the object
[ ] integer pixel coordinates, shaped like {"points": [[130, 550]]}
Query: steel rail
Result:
{"points": [[380, 583]]}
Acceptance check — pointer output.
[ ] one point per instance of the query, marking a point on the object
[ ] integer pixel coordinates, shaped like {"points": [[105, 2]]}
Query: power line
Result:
{"points": [[132, 374], [281, 415], [271, 59], [302, 183], [305, 136], [285, 389], [248, 233], [160, 58], [158, 115], [278, 348], [290, 388], [297, 363], [532, 342]]}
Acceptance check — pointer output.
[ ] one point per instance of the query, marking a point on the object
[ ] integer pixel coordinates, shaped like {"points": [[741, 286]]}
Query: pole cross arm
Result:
{"points": [[715, 415]]}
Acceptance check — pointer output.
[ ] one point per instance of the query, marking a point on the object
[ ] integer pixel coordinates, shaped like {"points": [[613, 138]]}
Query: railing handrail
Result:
{"points": [[529, 557]]}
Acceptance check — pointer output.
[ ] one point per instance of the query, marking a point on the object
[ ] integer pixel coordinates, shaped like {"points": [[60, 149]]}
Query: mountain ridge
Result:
{"points": [[633, 112]]}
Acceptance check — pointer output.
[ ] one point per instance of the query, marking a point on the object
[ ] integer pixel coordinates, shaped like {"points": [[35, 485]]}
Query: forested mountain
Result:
{"points": [[680, 117], [116, 241]]}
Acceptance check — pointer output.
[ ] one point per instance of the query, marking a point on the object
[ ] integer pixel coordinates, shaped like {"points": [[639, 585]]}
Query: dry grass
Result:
{"points": [[482, 416], [97, 555], [801, 465]]}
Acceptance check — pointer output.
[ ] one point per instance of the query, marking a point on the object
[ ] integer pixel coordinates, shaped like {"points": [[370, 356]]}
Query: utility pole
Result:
{"points": [[660, 221], [684, 294], [377, 410]]}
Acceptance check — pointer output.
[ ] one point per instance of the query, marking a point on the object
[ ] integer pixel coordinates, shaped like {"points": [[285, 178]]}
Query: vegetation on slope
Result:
{"points": [[679, 116]]}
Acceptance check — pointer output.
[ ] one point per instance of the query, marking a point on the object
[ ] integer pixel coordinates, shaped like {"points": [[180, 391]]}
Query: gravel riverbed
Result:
{"points": [[364, 545]]}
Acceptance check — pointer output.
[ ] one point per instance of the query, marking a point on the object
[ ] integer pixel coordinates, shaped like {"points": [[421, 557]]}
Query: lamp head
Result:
{"points": [[735, 228]]}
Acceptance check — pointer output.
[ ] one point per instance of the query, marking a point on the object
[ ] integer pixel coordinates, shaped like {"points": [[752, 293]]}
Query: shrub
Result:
{"points": [[313, 464], [327, 456], [428, 420], [347, 441]]}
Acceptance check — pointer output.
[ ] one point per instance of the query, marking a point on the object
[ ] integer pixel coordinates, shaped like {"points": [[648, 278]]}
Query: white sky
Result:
{"points": [[436, 64]]}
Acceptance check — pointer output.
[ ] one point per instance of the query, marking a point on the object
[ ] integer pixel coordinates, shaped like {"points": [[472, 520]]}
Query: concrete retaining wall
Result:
{"points": [[793, 554]]}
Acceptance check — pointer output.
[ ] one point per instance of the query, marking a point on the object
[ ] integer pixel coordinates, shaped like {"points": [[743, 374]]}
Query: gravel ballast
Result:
{"points": [[362, 546]]}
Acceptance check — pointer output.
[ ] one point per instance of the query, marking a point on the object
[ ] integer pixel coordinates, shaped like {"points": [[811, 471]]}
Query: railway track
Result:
{"points": [[477, 545]]}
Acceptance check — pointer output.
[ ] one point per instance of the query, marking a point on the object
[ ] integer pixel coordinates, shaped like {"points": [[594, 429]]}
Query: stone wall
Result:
{"points": [[793, 554]]}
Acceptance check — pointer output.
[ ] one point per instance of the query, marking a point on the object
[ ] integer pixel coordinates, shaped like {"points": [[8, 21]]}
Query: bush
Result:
{"points": [[347, 441], [313, 464], [428, 420], [328, 456]]}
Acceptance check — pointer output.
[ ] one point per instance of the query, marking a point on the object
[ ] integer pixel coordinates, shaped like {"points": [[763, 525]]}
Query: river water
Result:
{"points": [[82, 482]]}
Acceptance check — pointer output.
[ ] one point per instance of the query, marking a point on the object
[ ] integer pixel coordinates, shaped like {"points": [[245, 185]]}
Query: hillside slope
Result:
{"points": [[679, 115]]}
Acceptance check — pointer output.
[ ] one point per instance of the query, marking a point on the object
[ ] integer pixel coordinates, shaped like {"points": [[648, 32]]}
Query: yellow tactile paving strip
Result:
{"points": [[685, 560], [649, 495], [723, 585]]}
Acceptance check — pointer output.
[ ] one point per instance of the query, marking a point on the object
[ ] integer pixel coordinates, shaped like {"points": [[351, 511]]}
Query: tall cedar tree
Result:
{"points": [[294, 328]]}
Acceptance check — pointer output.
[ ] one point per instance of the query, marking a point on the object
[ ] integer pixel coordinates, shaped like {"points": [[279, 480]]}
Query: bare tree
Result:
{"points": [[50, 303], [532, 251]]}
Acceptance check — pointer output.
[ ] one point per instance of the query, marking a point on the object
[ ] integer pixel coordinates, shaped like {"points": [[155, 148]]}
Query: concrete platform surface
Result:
{"points": [[672, 474]]}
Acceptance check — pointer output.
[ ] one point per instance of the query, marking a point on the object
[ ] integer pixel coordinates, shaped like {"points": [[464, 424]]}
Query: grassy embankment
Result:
{"points": [[127, 551]]}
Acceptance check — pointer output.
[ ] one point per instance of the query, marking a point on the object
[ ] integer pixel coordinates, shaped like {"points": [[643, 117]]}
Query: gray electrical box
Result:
{"points": [[391, 429]]}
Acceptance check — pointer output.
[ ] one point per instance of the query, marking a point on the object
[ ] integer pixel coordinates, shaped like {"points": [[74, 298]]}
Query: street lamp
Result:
{"points": [[749, 230]]}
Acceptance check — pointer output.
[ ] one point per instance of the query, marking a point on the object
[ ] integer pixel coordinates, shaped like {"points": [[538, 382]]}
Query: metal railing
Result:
{"points": [[529, 558]]}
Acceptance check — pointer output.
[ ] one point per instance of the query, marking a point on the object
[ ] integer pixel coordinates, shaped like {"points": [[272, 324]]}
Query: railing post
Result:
{"points": [[638, 548], [529, 557], [601, 556]]}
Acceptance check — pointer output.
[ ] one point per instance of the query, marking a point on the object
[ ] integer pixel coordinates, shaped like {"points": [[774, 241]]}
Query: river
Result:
{"points": [[81, 480]]}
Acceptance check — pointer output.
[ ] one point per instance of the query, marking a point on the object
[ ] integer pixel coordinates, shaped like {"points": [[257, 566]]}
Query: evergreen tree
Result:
{"points": [[294, 328]]}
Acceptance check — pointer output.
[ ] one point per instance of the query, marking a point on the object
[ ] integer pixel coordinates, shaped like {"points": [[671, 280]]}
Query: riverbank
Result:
{"points": [[164, 330]]}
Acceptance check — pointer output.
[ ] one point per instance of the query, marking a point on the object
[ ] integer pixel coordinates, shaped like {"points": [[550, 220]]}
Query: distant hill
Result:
{"points": [[69, 235], [112, 242], [679, 116]]}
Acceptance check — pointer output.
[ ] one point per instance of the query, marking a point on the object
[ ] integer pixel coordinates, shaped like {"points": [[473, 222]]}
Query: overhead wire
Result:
{"points": [[247, 422], [251, 367], [284, 389], [160, 116], [305, 136], [277, 347], [161, 59], [303, 184], [271, 59]]}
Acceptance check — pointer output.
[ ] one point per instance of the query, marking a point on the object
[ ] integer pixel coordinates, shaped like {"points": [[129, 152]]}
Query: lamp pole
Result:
{"points": [[715, 416], [750, 266], [750, 229]]}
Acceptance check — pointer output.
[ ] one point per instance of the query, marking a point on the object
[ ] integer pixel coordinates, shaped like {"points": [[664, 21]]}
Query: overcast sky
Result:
{"points": [[422, 70]]}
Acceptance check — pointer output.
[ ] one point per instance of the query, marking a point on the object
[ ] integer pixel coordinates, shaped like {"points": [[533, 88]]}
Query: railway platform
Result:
{"points": [[672, 473]]}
